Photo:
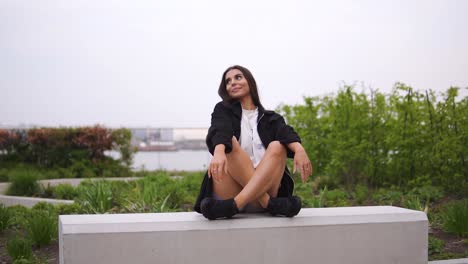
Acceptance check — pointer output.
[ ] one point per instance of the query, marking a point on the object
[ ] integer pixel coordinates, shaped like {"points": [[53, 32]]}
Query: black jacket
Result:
{"points": [[226, 122]]}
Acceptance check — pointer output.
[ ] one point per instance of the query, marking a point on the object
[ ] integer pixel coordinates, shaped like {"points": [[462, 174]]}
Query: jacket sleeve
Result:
{"points": [[285, 134], [220, 131]]}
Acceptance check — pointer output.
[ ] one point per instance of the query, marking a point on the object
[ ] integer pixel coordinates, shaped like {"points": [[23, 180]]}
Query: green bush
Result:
{"points": [[427, 193], [361, 193], [336, 198], [24, 183], [4, 175], [455, 218], [65, 191], [414, 203], [95, 196], [19, 248], [82, 169], [19, 214], [44, 206], [387, 197], [42, 227], [68, 209], [25, 261], [436, 246], [5, 217]]}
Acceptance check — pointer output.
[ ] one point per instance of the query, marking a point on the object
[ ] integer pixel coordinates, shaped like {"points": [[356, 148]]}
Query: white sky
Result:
{"points": [[159, 63]]}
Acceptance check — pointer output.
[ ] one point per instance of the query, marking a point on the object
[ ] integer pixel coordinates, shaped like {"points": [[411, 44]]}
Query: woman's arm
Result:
{"points": [[220, 131], [301, 160]]}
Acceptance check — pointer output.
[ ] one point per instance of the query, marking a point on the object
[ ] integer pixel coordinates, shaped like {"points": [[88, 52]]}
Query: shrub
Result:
{"points": [[336, 198], [44, 206], [5, 217], [19, 214], [361, 193], [414, 203], [387, 197], [42, 227], [455, 218], [82, 169], [427, 193], [19, 248], [3, 175], [24, 183], [65, 191], [68, 209], [321, 182], [95, 197], [436, 245]]}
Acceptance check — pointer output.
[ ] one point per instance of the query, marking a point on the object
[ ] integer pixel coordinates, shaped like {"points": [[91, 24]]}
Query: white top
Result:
{"points": [[249, 138]]}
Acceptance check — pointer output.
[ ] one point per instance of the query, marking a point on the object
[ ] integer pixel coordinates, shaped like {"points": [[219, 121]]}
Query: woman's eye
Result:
{"points": [[238, 77], [228, 81]]}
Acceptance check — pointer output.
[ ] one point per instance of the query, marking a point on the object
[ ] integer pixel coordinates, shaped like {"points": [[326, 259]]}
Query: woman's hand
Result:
{"points": [[218, 163], [301, 161]]}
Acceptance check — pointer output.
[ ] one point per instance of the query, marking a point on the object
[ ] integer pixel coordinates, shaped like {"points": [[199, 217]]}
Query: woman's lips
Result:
{"points": [[235, 89]]}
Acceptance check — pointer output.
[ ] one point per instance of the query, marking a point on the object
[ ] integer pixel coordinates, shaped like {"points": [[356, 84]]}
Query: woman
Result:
{"points": [[249, 145]]}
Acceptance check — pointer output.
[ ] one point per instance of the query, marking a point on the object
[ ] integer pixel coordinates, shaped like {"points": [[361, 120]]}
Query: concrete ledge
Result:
{"points": [[8, 200], [450, 261], [73, 182], [374, 235]]}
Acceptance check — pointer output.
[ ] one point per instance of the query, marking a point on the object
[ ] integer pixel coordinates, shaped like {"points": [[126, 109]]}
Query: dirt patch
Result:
{"points": [[453, 244]]}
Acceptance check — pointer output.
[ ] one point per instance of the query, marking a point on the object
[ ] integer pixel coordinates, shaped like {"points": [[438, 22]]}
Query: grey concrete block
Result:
{"points": [[374, 235]]}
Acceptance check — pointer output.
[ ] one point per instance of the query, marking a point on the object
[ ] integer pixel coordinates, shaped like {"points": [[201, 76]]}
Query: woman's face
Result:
{"points": [[236, 84]]}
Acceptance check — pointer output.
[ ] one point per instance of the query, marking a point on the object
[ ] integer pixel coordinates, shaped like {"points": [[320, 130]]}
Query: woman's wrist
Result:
{"points": [[220, 148], [296, 147]]}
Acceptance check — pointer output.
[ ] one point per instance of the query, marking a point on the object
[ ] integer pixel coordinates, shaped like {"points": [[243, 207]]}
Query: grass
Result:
{"points": [[19, 248], [24, 183], [5, 217], [455, 218], [42, 227]]}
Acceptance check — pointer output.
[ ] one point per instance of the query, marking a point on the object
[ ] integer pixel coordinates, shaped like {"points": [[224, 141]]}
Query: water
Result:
{"points": [[188, 160]]}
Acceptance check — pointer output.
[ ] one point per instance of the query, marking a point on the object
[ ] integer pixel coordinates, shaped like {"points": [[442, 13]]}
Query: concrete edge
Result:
{"points": [[29, 202], [450, 261]]}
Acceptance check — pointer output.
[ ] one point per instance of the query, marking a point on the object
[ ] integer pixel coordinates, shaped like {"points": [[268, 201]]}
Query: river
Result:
{"points": [[188, 160]]}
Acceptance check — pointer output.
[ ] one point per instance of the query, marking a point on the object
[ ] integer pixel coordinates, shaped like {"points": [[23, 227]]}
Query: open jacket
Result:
{"points": [[226, 122]]}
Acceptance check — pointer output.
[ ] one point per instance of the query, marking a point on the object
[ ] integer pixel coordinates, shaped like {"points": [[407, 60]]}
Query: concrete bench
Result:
{"points": [[374, 234]]}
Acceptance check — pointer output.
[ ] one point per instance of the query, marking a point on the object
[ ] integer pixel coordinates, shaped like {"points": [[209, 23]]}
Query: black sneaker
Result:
{"points": [[286, 206], [213, 209]]}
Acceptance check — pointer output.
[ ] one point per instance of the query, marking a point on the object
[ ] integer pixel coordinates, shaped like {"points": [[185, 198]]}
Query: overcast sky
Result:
{"points": [[159, 63]]}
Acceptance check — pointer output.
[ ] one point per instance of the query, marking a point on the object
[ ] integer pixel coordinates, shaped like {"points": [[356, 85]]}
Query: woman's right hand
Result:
{"points": [[218, 163]]}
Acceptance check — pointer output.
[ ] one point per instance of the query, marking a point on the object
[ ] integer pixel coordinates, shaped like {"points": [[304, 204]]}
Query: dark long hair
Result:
{"points": [[250, 80]]}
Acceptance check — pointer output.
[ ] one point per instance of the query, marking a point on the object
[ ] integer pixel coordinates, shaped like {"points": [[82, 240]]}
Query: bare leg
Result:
{"points": [[240, 171], [265, 180]]}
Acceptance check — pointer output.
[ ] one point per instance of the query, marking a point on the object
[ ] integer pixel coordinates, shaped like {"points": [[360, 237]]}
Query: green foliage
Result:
{"points": [[42, 227], [406, 139], [5, 217], [19, 248], [69, 209], [436, 246], [68, 152], [65, 191], [4, 175], [24, 183], [336, 198], [19, 215], [414, 203], [95, 196], [455, 218], [387, 196], [361, 193], [427, 193]]}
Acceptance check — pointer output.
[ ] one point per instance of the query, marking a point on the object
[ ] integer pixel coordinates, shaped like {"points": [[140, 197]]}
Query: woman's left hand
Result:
{"points": [[302, 164]]}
